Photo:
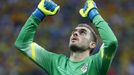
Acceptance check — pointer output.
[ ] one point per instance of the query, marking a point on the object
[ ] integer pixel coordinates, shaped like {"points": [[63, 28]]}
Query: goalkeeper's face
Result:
{"points": [[81, 40]]}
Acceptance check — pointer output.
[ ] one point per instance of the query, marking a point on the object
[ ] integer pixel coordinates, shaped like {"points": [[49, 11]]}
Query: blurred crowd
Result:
{"points": [[54, 32]]}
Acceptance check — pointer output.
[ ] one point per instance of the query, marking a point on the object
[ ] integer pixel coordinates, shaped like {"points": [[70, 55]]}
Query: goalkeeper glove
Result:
{"points": [[89, 10], [46, 8]]}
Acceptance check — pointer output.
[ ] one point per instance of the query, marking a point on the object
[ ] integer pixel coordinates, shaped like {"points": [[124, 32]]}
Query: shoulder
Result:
{"points": [[59, 57], [94, 56], [59, 60]]}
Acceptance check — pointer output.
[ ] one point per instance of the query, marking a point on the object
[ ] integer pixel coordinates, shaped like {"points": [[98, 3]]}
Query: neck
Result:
{"points": [[78, 56]]}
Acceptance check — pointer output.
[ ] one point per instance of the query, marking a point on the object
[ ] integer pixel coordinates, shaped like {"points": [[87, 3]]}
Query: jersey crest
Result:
{"points": [[84, 68]]}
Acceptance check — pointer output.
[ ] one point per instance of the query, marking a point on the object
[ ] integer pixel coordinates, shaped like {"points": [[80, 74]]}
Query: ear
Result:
{"points": [[92, 44]]}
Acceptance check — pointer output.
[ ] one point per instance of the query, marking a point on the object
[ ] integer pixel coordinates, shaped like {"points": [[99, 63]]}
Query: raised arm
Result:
{"points": [[107, 51], [25, 43]]}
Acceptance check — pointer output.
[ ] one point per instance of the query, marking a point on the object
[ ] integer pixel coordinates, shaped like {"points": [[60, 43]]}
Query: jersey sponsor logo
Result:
{"points": [[84, 68]]}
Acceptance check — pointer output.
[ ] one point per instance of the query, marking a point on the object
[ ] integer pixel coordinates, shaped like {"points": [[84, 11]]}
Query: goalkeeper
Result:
{"points": [[82, 42]]}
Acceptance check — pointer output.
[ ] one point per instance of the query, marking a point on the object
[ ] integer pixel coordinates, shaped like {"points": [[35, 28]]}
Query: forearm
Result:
{"points": [[45, 8], [90, 11], [27, 33], [105, 31]]}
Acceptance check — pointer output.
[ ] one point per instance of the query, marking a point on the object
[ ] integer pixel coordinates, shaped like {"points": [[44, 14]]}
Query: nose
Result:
{"points": [[75, 34]]}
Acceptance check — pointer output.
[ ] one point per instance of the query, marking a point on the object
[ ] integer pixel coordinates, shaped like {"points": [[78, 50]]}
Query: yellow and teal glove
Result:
{"points": [[89, 10], [46, 8]]}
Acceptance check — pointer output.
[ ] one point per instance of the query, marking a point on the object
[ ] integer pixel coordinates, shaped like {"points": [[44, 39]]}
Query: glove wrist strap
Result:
{"points": [[39, 14], [92, 13]]}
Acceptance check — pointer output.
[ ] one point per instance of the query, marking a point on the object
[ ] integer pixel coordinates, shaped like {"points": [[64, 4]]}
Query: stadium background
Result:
{"points": [[53, 34]]}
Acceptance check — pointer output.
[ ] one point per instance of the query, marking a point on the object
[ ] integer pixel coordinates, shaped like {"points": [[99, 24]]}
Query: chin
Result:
{"points": [[76, 48]]}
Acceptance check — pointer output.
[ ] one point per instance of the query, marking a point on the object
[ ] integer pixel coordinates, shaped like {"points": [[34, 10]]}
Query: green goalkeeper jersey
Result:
{"points": [[58, 64]]}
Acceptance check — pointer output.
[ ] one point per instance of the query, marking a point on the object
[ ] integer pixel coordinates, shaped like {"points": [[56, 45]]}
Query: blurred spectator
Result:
{"points": [[131, 68]]}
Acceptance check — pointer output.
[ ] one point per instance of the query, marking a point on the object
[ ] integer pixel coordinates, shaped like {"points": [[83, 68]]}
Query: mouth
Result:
{"points": [[74, 39]]}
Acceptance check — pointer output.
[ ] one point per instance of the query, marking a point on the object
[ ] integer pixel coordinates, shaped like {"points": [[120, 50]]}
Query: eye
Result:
{"points": [[82, 31]]}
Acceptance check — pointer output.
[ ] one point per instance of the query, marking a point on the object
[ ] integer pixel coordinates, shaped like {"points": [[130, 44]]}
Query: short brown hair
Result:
{"points": [[92, 32]]}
